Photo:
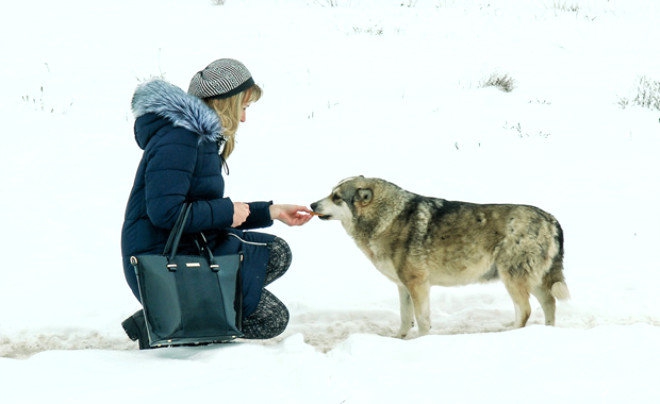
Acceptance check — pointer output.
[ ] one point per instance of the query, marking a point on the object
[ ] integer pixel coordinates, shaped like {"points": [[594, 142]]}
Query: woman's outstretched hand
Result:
{"points": [[293, 215]]}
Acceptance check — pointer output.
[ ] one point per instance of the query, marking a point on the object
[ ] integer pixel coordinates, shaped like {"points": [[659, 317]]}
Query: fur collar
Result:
{"points": [[184, 110]]}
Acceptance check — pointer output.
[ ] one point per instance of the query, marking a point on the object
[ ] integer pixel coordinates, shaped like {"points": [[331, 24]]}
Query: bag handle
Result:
{"points": [[203, 247], [175, 235]]}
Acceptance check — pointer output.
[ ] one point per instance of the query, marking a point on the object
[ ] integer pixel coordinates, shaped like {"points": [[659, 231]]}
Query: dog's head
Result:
{"points": [[347, 200]]}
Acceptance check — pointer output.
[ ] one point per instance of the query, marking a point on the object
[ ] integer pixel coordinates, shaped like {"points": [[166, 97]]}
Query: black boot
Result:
{"points": [[136, 329]]}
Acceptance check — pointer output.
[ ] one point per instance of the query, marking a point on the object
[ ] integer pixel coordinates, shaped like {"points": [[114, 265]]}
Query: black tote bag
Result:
{"points": [[189, 299]]}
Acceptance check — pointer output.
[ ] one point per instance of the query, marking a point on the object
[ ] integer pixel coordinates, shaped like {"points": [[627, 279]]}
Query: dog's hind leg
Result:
{"points": [[552, 287], [406, 310], [519, 292], [548, 304]]}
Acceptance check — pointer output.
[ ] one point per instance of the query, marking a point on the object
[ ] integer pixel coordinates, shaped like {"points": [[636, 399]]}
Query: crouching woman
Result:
{"points": [[186, 139]]}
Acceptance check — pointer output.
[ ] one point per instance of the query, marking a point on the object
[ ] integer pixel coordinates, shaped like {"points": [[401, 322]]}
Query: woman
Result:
{"points": [[187, 138]]}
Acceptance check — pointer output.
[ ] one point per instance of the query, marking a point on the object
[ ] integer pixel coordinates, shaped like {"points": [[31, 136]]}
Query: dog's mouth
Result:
{"points": [[315, 207], [322, 216]]}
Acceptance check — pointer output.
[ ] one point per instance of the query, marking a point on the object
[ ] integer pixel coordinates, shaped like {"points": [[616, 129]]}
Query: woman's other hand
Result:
{"points": [[293, 215], [241, 212]]}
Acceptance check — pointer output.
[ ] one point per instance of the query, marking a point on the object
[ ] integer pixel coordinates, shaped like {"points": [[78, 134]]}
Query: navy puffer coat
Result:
{"points": [[181, 163]]}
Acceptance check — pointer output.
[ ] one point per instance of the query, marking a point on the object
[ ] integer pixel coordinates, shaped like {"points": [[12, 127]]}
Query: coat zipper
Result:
{"points": [[249, 242]]}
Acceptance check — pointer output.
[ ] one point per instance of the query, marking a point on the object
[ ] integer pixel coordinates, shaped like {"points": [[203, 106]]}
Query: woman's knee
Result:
{"points": [[279, 259], [269, 320], [280, 253]]}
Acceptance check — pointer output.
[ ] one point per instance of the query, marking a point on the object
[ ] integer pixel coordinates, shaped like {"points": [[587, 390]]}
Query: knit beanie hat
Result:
{"points": [[221, 79]]}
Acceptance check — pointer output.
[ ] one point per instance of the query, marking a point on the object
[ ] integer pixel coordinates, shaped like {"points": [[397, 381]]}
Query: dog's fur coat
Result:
{"points": [[419, 241]]}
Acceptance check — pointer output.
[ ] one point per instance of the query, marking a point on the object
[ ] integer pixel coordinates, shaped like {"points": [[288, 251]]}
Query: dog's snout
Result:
{"points": [[317, 208]]}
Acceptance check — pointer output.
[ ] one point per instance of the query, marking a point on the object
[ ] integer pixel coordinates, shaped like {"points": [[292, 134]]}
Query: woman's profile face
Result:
{"points": [[245, 106]]}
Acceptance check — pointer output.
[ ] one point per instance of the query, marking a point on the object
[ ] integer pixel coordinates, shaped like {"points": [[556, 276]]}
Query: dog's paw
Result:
{"points": [[404, 330], [403, 333]]}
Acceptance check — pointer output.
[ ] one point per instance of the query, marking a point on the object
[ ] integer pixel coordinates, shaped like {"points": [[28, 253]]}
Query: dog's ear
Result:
{"points": [[363, 196]]}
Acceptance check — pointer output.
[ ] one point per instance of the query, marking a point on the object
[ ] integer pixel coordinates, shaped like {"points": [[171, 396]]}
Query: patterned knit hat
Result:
{"points": [[221, 79]]}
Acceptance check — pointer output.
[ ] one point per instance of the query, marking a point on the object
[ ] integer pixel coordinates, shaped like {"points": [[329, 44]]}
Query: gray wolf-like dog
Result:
{"points": [[418, 241]]}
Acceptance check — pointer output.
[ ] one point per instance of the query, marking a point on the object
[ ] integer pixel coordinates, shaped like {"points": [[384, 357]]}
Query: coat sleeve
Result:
{"points": [[259, 216], [168, 180]]}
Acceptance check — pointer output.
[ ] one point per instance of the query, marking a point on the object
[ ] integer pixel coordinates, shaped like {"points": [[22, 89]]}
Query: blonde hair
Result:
{"points": [[230, 111]]}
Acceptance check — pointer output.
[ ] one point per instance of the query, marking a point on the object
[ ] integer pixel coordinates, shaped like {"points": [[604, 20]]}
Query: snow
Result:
{"points": [[388, 88]]}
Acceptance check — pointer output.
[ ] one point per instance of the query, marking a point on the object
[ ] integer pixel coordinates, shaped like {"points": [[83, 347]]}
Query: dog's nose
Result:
{"points": [[313, 205]]}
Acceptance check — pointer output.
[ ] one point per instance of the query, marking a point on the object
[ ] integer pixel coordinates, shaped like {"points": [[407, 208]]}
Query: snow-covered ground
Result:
{"points": [[388, 88]]}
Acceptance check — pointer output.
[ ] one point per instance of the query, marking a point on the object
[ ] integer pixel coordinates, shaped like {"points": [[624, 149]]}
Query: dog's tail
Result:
{"points": [[560, 291]]}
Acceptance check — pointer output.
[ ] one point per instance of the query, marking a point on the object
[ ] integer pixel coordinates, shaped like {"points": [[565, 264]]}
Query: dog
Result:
{"points": [[418, 241]]}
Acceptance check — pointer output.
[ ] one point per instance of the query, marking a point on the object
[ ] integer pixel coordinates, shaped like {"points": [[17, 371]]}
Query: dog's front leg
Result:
{"points": [[406, 310], [419, 293]]}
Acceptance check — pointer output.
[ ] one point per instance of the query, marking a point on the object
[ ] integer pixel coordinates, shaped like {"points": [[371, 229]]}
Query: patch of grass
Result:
{"points": [[331, 3], [647, 94], [504, 82], [375, 30], [566, 7], [524, 132], [41, 101]]}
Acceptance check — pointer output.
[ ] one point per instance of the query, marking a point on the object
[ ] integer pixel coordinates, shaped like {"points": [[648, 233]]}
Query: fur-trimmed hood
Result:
{"points": [[182, 109]]}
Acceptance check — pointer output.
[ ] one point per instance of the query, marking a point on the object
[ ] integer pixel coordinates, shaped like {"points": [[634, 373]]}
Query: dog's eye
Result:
{"points": [[336, 198]]}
